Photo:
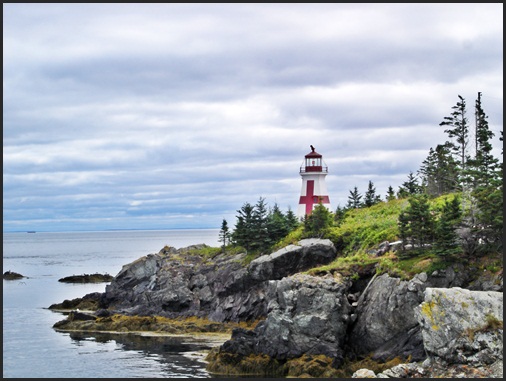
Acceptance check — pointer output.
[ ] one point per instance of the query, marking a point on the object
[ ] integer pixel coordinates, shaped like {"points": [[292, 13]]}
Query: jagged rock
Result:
{"points": [[384, 321], [488, 281], [384, 325], [89, 302], [462, 326], [173, 283], [307, 315]]}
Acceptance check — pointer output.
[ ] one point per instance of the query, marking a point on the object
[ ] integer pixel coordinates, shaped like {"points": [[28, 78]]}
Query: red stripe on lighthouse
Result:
{"points": [[308, 199]]}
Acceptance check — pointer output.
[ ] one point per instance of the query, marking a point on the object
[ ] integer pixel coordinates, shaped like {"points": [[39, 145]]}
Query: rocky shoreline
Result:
{"points": [[445, 322]]}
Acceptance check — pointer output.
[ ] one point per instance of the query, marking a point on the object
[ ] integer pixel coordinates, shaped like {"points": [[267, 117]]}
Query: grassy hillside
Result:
{"points": [[362, 230]]}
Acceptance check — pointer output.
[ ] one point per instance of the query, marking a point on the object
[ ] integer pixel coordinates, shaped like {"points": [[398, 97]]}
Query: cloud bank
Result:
{"points": [[155, 116]]}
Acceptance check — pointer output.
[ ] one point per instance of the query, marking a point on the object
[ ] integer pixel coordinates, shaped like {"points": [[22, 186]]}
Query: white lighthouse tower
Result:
{"points": [[314, 190]]}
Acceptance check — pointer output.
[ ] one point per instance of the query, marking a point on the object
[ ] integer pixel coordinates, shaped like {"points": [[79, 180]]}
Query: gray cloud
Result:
{"points": [[174, 115]]}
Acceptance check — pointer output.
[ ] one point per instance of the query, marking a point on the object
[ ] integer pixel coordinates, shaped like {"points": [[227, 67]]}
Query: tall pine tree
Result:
{"points": [[354, 199], [371, 198]]}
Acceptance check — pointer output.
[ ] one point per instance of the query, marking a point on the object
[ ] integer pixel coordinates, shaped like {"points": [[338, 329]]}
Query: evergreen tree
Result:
{"points": [[439, 174], [339, 215], [390, 193], [446, 243], [354, 199], [416, 222], [292, 221], [489, 216], [409, 187], [277, 224], [242, 233], [224, 235], [259, 232], [458, 130], [371, 198], [317, 223], [483, 168]]}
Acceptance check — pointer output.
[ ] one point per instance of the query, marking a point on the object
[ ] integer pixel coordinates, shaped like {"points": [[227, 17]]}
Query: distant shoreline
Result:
{"points": [[103, 231]]}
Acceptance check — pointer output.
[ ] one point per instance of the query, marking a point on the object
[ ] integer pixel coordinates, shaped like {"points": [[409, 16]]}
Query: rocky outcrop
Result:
{"points": [[11, 275], [173, 283], [462, 333], [306, 315], [309, 323], [384, 323], [462, 326]]}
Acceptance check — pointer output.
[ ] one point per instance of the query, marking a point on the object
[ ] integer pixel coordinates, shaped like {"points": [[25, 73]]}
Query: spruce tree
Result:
{"points": [[416, 222], [277, 224], [259, 232], [242, 233], [458, 131], [317, 223], [291, 220], [438, 173], [354, 199], [224, 235], [339, 215], [390, 194], [371, 198], [446, 242], [409, 187]]}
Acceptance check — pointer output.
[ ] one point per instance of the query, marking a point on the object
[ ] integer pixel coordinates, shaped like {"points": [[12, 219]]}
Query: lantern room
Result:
{"points": [[313, 162]]}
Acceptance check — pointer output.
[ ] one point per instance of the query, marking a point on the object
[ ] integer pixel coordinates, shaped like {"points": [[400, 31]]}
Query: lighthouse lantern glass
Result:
{"points": [[313, 162]]}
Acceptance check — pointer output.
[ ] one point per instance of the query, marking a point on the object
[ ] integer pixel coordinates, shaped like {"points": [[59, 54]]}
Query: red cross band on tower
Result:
{"points": [[310, 199]]}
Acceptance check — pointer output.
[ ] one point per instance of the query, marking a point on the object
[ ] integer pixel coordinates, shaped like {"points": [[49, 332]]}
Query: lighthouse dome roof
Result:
{"points": [[313, 154]]}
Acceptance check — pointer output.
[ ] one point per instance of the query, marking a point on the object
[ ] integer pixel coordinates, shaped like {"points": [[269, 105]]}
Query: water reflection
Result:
{"points": [[181, 356]]}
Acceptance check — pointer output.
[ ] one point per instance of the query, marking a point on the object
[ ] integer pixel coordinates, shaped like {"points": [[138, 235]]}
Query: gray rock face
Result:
{"points": [[173, 284], [384, 323], [306, 315], [462, 326]]}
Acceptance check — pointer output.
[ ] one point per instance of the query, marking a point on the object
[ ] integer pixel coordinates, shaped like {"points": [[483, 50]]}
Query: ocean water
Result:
{"points": [[33, 349]]}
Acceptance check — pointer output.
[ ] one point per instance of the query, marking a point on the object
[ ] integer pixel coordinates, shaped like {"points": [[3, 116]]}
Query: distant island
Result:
{"points": [[87, 278], [11, 275]]}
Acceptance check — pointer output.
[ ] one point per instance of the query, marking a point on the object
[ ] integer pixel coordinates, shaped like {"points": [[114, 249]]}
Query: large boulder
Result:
{"points": [[462, 326], [292, 259]]}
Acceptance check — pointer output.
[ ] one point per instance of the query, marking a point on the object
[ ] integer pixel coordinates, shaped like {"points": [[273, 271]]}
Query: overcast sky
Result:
{"points": [[157, 116]]}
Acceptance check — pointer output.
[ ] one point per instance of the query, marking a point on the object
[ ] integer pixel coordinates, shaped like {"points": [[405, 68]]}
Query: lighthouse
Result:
{"points": [[314, 190]]}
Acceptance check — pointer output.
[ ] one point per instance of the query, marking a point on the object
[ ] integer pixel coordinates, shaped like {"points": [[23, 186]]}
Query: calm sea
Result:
{"points": [[32, 349]]}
